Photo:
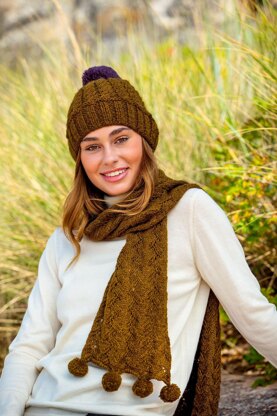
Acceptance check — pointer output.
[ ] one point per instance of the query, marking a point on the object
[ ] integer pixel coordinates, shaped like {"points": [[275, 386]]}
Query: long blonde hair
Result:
{"points": [[84, 199]]}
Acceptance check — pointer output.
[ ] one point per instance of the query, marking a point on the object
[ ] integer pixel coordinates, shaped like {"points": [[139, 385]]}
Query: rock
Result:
{"points": [[238, 398], [25, 25]]}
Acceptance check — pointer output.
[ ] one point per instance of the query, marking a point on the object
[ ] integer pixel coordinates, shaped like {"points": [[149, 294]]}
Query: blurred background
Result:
{"points": [[207, 71]]}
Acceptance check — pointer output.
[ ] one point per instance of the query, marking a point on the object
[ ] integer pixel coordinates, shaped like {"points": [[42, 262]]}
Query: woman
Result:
{"points": [[123, 317]]}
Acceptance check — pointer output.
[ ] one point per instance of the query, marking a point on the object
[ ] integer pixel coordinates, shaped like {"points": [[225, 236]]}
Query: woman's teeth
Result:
{"points": [[117, 172]]}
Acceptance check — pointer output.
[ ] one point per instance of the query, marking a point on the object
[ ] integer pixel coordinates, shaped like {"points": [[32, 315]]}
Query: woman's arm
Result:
{"points": [[36, 336], [221, 262]]}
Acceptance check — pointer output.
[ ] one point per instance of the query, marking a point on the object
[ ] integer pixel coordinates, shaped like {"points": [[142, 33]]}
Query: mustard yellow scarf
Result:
{"points": [[130, 331]]}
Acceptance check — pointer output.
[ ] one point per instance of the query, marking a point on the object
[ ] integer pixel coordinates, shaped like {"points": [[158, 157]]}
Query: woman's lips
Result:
{"points": [[115, 178]]}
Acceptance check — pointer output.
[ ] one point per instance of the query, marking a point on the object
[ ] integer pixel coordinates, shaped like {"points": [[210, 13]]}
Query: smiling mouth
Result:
{"points": [[114, 173]]}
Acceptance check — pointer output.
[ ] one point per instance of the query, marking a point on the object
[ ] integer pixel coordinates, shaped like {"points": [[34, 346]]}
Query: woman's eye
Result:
{"points": [[122, 139], [92, 148]]}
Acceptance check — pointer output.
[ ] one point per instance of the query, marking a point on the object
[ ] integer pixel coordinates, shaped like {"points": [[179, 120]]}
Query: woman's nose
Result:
{"points": [[109, 155]]}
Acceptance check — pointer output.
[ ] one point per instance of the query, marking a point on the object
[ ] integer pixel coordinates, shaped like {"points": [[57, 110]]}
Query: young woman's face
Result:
{"points": [[111, 157]]}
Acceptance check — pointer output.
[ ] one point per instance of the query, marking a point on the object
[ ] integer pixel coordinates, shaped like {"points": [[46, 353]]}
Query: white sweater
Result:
{"points": [[203, 253]]}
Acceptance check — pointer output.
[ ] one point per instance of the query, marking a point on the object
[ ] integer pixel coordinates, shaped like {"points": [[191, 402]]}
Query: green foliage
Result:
{"points": [[246, 172], [248, 193], [253, 357], [270, 294], [269, 372]]}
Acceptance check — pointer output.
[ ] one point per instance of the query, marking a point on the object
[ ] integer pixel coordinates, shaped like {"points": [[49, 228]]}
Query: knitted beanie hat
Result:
{"points": [[105, 100]]}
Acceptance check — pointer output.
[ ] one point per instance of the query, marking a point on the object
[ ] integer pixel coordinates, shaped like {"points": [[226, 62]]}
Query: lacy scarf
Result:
{"points": [[130, 331]]}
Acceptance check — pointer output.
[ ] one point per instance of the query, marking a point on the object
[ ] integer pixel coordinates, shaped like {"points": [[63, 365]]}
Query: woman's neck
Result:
{"points": [[114, 199]]}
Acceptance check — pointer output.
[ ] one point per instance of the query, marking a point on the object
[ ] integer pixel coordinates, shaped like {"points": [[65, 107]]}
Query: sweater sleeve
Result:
{"points": [[221, 262], [36, 336]]}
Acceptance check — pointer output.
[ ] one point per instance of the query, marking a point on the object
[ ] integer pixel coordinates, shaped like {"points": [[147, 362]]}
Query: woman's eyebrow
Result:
{"points": [[112, 133], [119, 130]]}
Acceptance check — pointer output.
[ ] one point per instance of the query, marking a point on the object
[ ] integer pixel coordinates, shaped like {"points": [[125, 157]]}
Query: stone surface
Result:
{"points": [[25, 25], [238, 398]]}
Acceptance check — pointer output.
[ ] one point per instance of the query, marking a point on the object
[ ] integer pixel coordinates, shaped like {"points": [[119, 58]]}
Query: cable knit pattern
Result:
{"points": [[106, 102], [207, 388], [130, 331], [201, 396], [134, 305]]}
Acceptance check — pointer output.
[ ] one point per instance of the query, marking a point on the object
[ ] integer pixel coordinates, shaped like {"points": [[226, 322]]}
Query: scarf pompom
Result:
{"points": [[111, 381], [170, 393], [78, 367], [142, 388]]}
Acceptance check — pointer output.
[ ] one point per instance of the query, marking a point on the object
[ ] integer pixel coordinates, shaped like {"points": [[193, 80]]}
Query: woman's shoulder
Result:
{"points": [[58, 239], [193, 195], [198, 202]]}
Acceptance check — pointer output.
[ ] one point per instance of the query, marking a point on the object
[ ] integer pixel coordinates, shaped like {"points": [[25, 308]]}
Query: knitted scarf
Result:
{"points": [[130, 331]]}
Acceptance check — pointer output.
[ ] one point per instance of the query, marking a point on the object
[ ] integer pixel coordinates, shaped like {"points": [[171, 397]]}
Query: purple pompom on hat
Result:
{"points": [[107, 100], [97, 72]]}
